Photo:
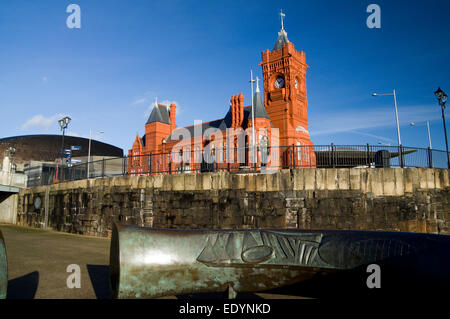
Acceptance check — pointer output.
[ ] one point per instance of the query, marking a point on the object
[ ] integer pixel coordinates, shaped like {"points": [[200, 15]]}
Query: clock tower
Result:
{"points": [[284, 71]]}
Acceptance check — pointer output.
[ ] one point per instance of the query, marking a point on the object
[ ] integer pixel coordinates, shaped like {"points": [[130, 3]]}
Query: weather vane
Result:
{"points": [[282, 15]]}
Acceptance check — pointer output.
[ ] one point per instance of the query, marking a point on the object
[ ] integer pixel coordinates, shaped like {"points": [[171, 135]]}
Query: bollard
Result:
{"points": [[3, 268], [149, 263]]}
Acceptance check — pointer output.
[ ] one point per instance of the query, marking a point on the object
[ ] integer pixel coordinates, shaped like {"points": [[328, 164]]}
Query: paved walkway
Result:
{"points": [[38, 260]]}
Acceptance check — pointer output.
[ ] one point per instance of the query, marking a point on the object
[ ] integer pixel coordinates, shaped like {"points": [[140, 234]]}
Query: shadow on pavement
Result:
{"points": [[24, 287], [99, 275]]}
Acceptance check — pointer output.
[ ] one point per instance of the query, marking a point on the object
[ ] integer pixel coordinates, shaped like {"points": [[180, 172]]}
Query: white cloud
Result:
{"points": [[379, 137], [41, 122], [352, 120], [139, 101]]}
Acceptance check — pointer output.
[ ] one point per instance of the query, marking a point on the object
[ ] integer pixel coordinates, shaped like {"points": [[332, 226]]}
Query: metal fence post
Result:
{"points": [[103, 167], [400, 154], [292, 164], [430, 157], [368, 155], [332, 156]]}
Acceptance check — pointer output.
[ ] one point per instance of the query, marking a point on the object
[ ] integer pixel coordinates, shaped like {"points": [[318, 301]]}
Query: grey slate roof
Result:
{"points": [[281, 39], [260, 109], [159, 114]]}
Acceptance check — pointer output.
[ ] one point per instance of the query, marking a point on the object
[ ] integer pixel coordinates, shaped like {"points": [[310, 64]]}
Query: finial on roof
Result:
{"points": [[257, 84], [282, 15], [282, 34]]}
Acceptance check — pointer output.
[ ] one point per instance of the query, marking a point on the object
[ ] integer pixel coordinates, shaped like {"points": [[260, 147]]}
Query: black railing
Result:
{"points": [[240, 160]]}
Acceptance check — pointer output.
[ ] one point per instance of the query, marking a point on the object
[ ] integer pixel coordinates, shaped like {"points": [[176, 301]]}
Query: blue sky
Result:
{"points": [[106, 75]]}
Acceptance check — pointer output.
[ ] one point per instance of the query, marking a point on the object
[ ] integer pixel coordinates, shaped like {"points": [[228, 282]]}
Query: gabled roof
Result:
{"points": [[159, 114]]}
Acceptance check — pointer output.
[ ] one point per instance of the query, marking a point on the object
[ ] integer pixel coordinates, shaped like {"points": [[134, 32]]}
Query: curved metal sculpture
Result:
{"points": [[3, 268], [149, 263]]}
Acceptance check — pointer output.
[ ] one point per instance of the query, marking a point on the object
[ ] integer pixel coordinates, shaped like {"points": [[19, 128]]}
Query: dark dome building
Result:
{"points": [[47, 148]]}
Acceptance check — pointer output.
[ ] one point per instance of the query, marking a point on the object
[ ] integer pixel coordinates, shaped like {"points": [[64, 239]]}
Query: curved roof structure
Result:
{"points": [[47, 148]]}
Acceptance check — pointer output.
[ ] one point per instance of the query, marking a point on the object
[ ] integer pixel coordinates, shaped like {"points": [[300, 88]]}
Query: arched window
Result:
{"points": [[299, 151], [197, 154], [306, 150], [187, 155], [225, 155]]}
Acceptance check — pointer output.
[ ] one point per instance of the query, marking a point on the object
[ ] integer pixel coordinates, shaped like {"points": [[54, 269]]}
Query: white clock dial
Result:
{"points": [[279, 82]]}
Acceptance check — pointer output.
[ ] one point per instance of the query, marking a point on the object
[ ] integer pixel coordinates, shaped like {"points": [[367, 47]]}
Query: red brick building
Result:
{"points": [[280, 120]]}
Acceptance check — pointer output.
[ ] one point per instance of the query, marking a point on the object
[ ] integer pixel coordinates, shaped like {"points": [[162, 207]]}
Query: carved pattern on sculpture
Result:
{"points": [[261, 247]]}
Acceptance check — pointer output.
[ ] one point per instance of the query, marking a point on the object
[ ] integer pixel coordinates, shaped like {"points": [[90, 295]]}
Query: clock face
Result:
{"points": [[296, 84], [279, 82]]}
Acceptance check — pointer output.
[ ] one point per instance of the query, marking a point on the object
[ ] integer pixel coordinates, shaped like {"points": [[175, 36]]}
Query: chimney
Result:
{"points": [[172, 114], [233, 112], [241, 109]]}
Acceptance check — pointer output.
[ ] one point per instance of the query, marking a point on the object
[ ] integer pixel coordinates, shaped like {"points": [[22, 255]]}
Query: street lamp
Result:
{"points": [[442, 98], [429, 151], [89, 151], [398, 126], [63, 123], [428, 128]]}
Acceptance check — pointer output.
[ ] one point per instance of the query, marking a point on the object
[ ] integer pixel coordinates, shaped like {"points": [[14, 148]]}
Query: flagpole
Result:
{"points": [[253, 122]]}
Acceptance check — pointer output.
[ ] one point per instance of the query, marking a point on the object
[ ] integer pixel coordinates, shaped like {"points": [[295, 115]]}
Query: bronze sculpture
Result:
{"points": [[148, 263]]}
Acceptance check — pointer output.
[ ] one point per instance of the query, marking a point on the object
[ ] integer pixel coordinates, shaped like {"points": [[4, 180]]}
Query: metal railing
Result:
{"points": [[240, 160]]}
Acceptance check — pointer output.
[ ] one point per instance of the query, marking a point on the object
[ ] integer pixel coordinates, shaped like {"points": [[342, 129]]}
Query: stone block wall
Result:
{"points": [[411, 199]]}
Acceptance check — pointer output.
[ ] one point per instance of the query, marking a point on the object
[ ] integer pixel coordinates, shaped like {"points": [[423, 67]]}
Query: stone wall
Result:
{"points": [[411, 199], [8, 208]]}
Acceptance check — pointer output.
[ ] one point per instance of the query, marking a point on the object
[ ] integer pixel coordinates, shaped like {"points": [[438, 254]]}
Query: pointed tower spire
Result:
{"points": [[157, 115], [282, 35], [260, 110]]}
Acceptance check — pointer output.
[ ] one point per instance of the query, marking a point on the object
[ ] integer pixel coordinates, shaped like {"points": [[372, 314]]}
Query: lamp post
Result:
{"points": [[442, 98], [253, 123], [398, 126], [429, 151], [89, 151], [428, 128], [63, 123]]}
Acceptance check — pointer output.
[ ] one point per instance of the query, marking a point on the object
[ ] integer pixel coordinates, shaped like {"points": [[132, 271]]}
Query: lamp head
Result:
{"points": [[441, 96], [439, 93], [374, 94], [64, 122]]}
